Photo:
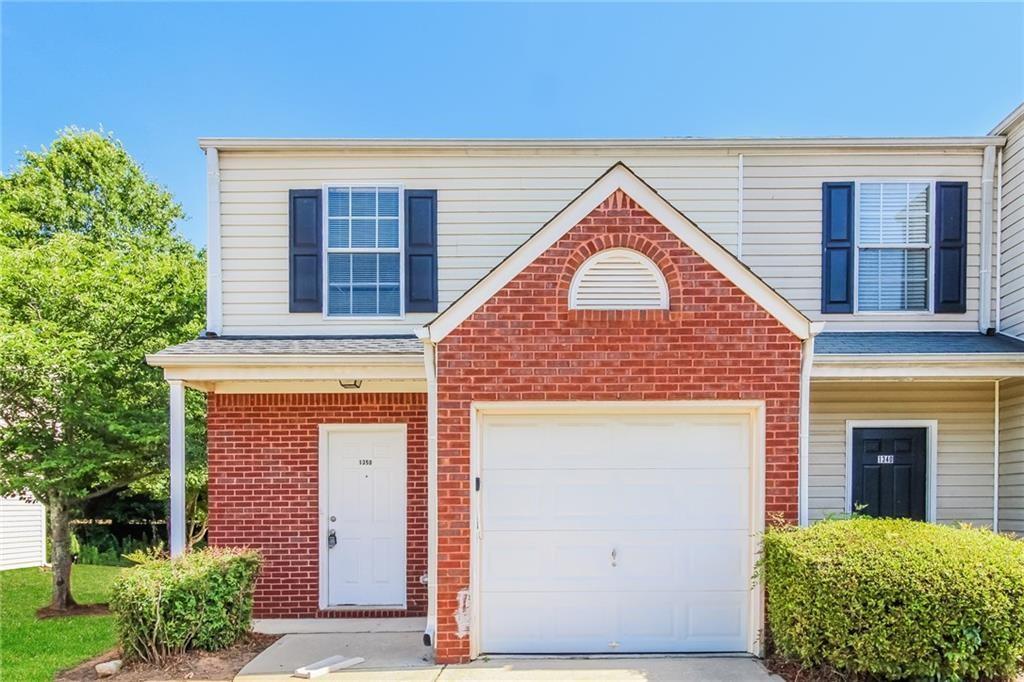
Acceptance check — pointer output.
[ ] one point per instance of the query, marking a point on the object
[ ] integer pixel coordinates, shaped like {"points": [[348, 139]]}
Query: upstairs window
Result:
{"points": [[894, 221], [363, 251]]}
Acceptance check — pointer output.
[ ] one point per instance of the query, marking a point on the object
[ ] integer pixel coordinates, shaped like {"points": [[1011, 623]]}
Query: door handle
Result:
{"points": [[332, 539], [615, 557]]}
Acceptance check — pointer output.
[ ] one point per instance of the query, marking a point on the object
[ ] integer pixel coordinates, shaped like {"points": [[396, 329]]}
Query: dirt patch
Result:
{"points": [[198, 665], [792, 671], [76, 610]]}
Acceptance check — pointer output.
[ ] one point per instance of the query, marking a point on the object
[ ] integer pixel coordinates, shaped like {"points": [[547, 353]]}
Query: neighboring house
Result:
{"points": [[22, 533], [546, 393]]}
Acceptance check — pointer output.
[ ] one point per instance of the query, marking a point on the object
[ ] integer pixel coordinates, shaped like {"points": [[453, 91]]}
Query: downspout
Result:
{"points": [[985, 276], [430, 366], [739, 209], [995, 463], [214, 308], [806, 363], [999, 240]]}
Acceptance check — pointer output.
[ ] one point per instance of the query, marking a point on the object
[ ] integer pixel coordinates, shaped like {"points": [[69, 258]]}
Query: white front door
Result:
{"points": [[365, 524], [615, 533]]}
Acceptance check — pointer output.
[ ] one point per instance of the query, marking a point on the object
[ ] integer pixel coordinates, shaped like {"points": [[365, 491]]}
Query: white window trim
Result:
{"points": [[327, 186], [323, 499], [638, 257], [931, 478], [930, 249]]}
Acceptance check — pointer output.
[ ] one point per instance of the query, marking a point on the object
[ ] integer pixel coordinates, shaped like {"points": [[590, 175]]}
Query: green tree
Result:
{"points": [[93, 276]]}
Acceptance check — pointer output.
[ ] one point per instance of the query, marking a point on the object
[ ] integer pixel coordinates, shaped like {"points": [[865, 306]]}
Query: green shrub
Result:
{"points": [[896, 599], [202, 600]]}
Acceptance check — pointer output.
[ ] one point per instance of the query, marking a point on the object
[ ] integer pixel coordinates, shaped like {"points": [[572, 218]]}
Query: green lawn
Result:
{"points": [[32, 649]]}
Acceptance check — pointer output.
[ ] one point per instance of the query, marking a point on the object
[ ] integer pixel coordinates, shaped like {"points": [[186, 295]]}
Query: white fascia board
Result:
{"points": [[384, 144], [219, 373], [963, 365], [215, 368], [620, 177]]}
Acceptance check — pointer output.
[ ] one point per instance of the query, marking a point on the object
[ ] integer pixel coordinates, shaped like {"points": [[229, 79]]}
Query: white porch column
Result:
{"points": [[176, 530]]}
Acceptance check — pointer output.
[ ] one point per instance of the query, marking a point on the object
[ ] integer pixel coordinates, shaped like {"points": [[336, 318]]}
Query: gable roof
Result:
{"points": [[1009, 121], [618, 177]]}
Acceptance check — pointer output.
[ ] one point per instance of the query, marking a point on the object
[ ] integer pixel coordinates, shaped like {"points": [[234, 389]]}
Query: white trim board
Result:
{"points": [[921, 365], [931, 427], [620, 177], [754, 408], [214, 270], [668, 143]]}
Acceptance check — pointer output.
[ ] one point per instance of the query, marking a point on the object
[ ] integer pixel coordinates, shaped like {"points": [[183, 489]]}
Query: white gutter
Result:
{"points": [[999, 241], [257, 143], [995, 463], [739, 209], [985, 275], [806, 363], [214, 286], [430, 366]]}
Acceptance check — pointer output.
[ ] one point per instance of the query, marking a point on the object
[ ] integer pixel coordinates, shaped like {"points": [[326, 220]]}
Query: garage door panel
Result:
{"points": [[558, 499], [608, 441], [644, 561], [564, 623], [607, 533], [530, 442], [585, 622], [546, 562]]}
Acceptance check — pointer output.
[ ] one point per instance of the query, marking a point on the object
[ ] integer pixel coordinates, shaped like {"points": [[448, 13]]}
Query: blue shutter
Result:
{"points": [[421, 250], [305, 251], [837, 247], [950, 247]]}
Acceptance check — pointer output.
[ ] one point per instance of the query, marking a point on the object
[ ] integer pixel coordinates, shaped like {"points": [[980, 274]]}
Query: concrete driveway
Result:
{"points": [[401, 657]]}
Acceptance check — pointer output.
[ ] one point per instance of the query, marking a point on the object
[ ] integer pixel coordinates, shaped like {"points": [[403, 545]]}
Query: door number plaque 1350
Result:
{"points": [[366, 462]]}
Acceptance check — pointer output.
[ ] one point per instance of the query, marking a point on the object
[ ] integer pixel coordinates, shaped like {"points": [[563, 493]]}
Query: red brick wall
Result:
{"points": [[525, 344], [263, 452]]}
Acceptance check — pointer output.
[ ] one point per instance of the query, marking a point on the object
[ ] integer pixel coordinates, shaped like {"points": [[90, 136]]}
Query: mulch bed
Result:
{"points": [[76, 610], [200, 665], [794, 672]]}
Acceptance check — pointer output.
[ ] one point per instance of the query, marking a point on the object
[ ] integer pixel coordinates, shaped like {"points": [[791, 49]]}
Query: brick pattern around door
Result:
{"points": [[264, 458]]}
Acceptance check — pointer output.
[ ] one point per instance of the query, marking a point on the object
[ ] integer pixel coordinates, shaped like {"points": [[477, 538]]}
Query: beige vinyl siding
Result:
{"points": [[22, 534], [965, 416], [490, 201], [487, 206], [782, 224], [1012, 265], [1011, 456]]}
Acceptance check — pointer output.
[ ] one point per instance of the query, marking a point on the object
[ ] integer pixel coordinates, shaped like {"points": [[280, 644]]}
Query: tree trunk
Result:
{"points": [[60, 548]]}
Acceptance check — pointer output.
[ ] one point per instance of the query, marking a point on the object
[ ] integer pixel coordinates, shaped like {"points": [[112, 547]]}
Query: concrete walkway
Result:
{"points": [[401, 657]]}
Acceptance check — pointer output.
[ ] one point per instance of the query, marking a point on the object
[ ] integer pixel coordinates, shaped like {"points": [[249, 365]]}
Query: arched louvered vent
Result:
{"points": [[618, 279]]}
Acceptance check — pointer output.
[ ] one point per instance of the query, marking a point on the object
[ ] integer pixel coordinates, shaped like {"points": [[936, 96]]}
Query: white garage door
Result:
{"points": [[615, 533]]}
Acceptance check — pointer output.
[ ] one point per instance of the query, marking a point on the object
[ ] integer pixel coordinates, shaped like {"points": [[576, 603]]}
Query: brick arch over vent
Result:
{"points": [[714, 343], [619, 210]]}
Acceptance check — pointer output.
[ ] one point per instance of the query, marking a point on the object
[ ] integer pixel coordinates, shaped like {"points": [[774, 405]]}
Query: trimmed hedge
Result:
{"points": [[896, 598], [201, 600]]}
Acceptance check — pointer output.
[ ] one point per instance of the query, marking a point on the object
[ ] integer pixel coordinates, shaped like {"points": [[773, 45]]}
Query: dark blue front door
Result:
{"points": [[889, 472]]}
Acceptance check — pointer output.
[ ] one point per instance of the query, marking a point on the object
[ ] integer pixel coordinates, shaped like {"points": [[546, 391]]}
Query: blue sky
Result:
{"points": [[161, 75]]}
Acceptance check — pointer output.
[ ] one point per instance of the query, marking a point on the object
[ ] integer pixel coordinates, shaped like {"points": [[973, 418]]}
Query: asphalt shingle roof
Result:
{"points": [[296, 345], [885, 343]]}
